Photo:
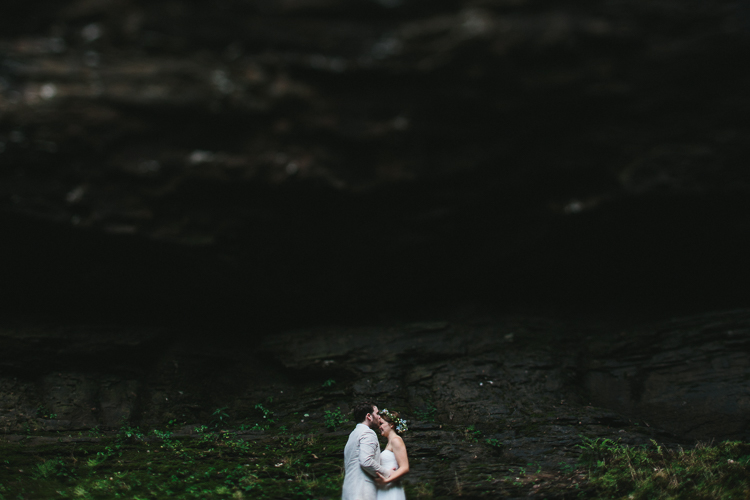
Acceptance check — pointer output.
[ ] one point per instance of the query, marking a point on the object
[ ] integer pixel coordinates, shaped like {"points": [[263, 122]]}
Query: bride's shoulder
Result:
{"points": [[398, 441]]}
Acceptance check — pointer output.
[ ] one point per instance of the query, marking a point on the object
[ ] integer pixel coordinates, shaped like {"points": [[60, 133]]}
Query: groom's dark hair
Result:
{"points": [[361, 409]]}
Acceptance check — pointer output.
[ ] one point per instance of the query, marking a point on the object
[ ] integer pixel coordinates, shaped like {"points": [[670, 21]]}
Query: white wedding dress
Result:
{"points": [[394, 490]]}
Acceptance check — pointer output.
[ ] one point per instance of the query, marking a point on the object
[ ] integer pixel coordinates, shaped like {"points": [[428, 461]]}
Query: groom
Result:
{"points": [[362, 455]]}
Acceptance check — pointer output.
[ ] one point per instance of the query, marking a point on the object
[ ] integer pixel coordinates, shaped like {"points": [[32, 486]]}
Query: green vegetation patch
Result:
{"points": [[135, 465], [264, 460], [646, 472], [334, 418], [428, 413]]}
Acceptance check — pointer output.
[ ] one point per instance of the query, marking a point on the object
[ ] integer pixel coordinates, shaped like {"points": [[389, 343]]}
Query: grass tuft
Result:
{"points": [[720, 472]]}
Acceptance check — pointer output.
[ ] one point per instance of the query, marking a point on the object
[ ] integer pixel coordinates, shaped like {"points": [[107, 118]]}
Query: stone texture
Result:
{"points": [[687, 375], [534, 386]]}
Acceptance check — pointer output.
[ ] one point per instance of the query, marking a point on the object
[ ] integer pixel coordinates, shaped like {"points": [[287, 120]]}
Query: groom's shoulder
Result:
{"points": [[367, 431], [354, 435], [363, 430]]}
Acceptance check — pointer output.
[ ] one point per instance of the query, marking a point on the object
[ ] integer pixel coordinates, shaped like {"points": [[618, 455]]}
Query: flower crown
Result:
{"points": [[399, 422]]}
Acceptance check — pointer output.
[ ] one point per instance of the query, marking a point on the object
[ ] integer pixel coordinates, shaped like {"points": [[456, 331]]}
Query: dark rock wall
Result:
{"points": [[209, 174], [532, 385], [162, 158]]}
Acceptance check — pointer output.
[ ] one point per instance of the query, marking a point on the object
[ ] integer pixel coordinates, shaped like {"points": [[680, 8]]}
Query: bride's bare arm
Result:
{"points": [[399, 449]]}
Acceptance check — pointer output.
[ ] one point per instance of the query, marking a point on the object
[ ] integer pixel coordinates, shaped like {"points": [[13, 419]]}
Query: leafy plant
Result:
{"points": [[267, 414], [43, 412], [97, 460], [219, 417], [595, 450], [334, 418], [126, 432], [47, 469], [642, 472], [428, 413], [471, 434], [163, 435], [329, 382], [495, 443]]}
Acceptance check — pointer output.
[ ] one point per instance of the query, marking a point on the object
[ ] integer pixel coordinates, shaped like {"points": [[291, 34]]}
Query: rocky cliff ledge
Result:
{"points": [[483, 397]]}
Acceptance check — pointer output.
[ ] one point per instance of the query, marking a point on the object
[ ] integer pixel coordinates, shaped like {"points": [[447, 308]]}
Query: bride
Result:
{"points": [[393, 457]]}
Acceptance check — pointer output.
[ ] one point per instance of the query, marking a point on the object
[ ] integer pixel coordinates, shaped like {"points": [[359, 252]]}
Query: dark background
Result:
{"points": [[298, 162]]}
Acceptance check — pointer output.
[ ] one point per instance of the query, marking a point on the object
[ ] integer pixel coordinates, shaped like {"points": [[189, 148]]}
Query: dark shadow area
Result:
{"points": [[299, 162], [524, 224], [647, 257]]}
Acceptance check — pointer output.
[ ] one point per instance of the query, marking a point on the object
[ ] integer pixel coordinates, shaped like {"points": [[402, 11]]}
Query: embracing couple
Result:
{"points": [[368, 473]]}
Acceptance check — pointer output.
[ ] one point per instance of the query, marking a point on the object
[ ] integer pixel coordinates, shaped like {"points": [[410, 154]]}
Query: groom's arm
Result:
{"points": [[368, 446]]}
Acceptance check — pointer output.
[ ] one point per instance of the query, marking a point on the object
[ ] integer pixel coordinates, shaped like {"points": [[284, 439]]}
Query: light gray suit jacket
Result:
{"points": [[361, 462]]}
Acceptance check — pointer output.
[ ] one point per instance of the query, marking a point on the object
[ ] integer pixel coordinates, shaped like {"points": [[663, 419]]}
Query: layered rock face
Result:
{"points": [[528, 387], [224, 182], [687, 376]]}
